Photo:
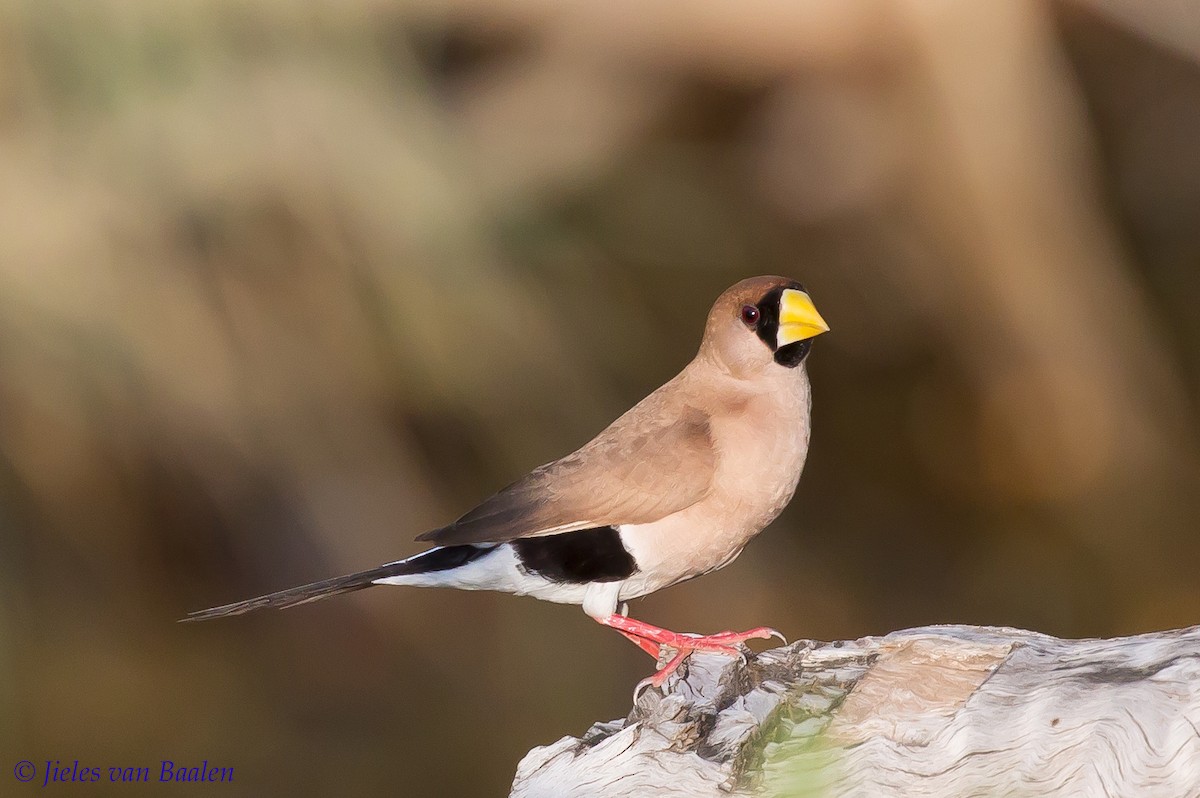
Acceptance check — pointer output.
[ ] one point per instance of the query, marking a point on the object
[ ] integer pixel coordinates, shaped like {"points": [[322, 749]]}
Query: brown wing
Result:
{"points": [[640, 469]]}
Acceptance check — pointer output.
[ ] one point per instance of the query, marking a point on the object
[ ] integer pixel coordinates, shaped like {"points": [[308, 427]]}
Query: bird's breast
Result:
{"points": [[761, 452], [761, 455]]}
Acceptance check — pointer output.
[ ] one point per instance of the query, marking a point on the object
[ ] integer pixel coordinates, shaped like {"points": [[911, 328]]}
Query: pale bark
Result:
{"points": [[936, 711]]}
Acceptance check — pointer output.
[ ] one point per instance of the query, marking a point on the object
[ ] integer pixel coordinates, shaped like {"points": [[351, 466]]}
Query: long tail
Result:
{"points": [[442, 558]]}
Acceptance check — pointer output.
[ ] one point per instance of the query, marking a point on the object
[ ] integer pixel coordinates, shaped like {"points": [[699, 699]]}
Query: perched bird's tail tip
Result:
{"points": [[293, 596], [442, 559]]}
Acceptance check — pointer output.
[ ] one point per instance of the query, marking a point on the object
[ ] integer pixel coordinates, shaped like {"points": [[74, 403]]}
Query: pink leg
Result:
{"points": [[653, 649]]}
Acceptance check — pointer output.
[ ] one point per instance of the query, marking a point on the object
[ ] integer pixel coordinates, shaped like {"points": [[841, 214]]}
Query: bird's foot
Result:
{"points": [[735, 638], [640, 632], [653, 640]]}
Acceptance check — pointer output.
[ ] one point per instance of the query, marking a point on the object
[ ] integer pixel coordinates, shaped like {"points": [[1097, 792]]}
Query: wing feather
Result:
{"points": [[648, 464]]}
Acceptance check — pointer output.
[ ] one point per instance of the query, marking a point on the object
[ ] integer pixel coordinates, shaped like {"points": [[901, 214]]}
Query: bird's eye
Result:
{"points": [[750, 314]]}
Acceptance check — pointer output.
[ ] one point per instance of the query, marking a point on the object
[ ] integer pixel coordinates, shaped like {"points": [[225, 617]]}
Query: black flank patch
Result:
{"points": [[586, 555]]}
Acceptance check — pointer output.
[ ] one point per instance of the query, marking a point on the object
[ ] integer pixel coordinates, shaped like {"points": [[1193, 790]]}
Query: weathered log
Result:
{"points": [[935, 711]]}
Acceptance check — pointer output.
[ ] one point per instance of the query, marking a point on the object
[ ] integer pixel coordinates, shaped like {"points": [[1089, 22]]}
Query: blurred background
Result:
{"points": [[283, 285]]}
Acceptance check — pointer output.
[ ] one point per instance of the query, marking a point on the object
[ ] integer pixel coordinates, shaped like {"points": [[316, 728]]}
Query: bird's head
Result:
{"points": [[762, 323]]}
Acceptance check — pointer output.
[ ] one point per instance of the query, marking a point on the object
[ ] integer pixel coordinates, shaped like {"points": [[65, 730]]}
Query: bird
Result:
{"points": [[672, 490]]}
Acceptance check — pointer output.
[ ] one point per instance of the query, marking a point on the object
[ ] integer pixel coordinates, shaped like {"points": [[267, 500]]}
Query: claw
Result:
{"points": [[779, 634], [664, 673], [641, 686]]}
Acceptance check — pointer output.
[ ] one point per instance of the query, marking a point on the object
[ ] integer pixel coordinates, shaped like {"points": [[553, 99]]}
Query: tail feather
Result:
{"points": [[441, 558]]}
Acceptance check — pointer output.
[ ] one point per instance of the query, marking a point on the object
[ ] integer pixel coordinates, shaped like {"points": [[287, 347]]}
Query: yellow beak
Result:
{"points": [[798, 318]]}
